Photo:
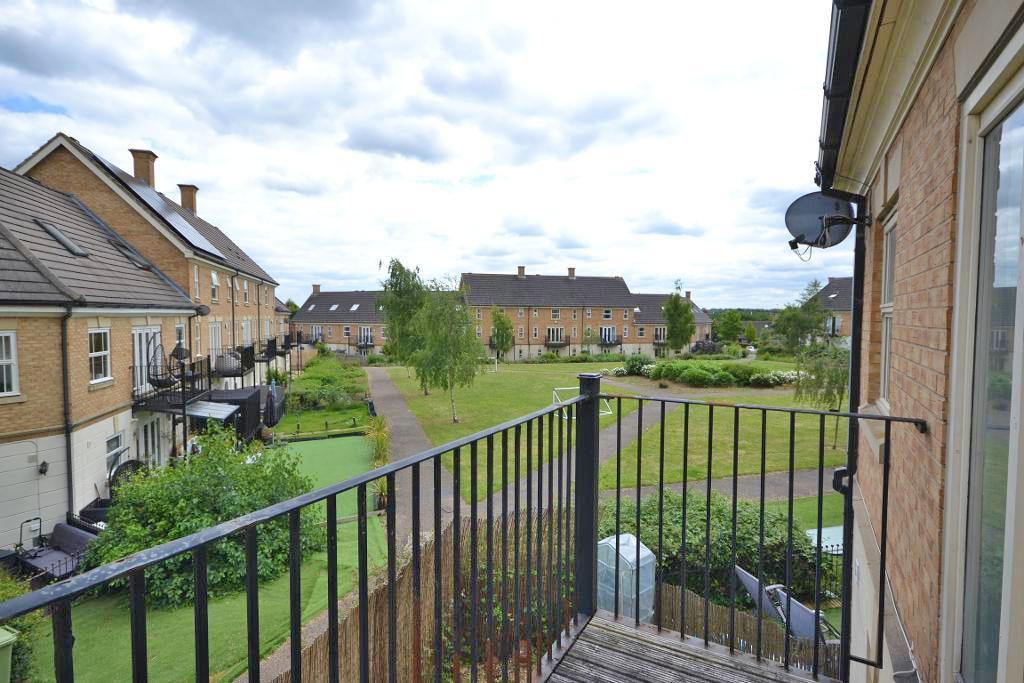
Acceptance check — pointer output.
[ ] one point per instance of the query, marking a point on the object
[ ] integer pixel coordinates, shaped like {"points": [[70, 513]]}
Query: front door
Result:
{"points": [[993, 562], [214, 342]]}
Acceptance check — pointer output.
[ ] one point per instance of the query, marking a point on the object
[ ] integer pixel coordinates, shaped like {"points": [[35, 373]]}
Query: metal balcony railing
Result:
{"points": [[553, 343], [266, 350], [185, 382], [515, 578], [365, 342], [610, 341], [232, 362]]}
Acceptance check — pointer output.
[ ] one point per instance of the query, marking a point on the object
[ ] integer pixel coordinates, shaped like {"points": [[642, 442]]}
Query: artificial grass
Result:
{"points": [[494, 397], [101, 626], [749, 460]]}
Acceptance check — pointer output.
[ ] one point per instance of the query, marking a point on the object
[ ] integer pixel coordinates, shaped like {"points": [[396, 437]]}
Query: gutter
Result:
{"points": [[846, 37], [68, 427]]}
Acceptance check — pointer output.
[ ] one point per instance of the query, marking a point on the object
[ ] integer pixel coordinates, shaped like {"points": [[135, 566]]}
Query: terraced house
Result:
{"points": [[77, 304], [570, 314], [242, 325], [836, 299], [347, 322]]}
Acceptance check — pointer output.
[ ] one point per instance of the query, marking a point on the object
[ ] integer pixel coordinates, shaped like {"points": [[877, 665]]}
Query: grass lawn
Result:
{"points": [[805, 510], [102, 642], [310, 421], [494, 397], [777, 443]]}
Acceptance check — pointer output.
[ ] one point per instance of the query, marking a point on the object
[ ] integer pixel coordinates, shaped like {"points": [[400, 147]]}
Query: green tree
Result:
{"points": [[803, 322], [750, 332], [502, 335], [822, 378], [728, 325], [679, 325], [588, 339], [401, 301], [292, 306], [448, 357]]}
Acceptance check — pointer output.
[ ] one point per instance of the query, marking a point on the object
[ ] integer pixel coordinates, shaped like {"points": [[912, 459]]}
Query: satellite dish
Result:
{"points": [[818, 220]]}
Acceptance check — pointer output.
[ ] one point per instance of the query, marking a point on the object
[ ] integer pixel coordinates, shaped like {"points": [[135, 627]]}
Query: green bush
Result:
{"points": [[376, 359], [734, 351], [279, 376], [21, 657], [721, 567], [634, 364], [216, 485], [327, 382]]}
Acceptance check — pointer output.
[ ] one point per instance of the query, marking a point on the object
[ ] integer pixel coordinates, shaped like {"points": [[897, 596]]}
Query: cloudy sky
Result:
{"points": [[657, 141]]}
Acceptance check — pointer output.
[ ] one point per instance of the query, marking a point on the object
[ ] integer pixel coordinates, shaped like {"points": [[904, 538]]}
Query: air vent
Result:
{"points": [[64, 240]]}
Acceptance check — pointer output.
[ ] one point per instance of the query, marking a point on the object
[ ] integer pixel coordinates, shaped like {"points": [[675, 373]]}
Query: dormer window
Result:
{"points": [[63, 239]]}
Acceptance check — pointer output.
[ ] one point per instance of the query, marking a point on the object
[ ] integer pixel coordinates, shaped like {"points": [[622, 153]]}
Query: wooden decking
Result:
{"points": [[610, 652]]}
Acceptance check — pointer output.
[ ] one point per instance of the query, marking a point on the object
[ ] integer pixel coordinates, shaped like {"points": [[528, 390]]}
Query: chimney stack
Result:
{"points": [[687, 295], [572, 273], [188, 196], [145, 166], [521, 272], [316, 289]]}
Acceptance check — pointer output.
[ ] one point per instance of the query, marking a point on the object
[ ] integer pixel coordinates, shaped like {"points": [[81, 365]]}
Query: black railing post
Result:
{"points": [[586, 492]]}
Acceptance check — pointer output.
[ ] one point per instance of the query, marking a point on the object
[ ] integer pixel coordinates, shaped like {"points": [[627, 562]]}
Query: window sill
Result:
{"points": [[874, 430], [12, 398], [97, 384]]}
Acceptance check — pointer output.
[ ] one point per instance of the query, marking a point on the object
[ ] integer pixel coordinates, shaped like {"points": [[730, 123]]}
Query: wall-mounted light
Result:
{"points": [[44, 467]]}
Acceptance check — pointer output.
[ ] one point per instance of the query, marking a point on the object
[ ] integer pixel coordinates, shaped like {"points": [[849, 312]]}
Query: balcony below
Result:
{"points": [[236, 362], [556, 343], [610, 341], [365, 343], [608, 650]]}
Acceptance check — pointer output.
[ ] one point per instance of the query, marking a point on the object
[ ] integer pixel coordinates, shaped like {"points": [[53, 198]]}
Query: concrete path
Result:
{"points": [[748, 487]]}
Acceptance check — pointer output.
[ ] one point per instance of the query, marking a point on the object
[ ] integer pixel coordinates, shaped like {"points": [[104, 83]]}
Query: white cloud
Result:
{"points": [[658, 142]]}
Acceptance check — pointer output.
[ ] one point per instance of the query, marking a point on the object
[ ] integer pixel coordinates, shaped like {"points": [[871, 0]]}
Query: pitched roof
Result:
{"points": [[341, 307], [281, 307], [36, 268], [196, 232], [500, 289], [648, 310], [837, 295]]}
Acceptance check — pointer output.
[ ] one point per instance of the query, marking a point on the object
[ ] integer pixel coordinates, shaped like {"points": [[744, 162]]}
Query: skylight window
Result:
{"points": [[64, 240], [355, 307], [833, 295], [334, 307], [312, 306], [136, 260]]}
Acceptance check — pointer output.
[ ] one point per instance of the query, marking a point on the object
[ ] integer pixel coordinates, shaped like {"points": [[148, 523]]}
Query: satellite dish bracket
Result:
{"points": [[829, 221]]}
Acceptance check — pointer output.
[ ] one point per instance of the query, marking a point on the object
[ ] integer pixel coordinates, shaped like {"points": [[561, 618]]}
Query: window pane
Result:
{"points": [[6, 379], [993, 386], [5, 348]]}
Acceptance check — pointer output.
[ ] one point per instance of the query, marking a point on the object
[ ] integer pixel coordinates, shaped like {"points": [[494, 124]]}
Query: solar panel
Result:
{"points": [[156, 202]]}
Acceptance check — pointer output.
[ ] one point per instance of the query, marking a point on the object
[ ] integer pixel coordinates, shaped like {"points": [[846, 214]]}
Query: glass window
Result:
{"points": [[214, 285], [590, 312], [607, 315], [195, 281], [99, 355], [8, 364], [535, 334], [994, 383], [536, 312], [114, 451], [640, 332], [347, 331], [625, 314], [522, 332], [245, 291], [555, 314], [520, 313], [888, 287]]}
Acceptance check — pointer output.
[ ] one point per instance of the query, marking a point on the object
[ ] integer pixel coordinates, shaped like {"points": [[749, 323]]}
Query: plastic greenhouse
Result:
{"points": [[628, 571]]}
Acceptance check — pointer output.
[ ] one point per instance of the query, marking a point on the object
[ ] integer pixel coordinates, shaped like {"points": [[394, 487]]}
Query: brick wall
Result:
{"points": [[922, 318], [39, 380]]}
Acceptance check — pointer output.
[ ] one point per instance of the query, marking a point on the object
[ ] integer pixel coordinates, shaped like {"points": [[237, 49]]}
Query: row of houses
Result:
{"points": [[561, 314], [126, 322]]}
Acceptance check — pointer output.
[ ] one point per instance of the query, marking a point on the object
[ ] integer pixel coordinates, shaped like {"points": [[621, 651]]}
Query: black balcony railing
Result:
{"points": [[365, 342], [181, 383], [266, 350], [660, 342], [518, 579], [610, 340], [556, 343], [232, 362]]}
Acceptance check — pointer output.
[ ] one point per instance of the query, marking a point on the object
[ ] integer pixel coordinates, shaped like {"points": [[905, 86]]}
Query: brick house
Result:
{"points": [[347, 322], [79, 308], [836, 299], [921, 127], [198, 256], [569, 314], [649, 320]]}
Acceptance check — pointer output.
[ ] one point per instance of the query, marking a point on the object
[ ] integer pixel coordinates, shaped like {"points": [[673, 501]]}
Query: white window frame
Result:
{"points": [[536, 333], [195, 281], [522, 312], [575, 313], [105, 331], [555, 334], [641, 331], [535, 312], [479, 314], [606, 314], [522, 332], [625, 331], [625, 314], [556, 314], [11, 362], [245, 292], [887, 287], [346, 331], [590, 313], [214, 286]]}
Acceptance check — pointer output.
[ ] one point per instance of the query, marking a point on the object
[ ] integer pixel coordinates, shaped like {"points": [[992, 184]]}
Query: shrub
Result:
{"points": [[327, 383], [734, 351], [620, 372], [721, 567], [634, 364], [379, 434], [21, 656], [279, 376], [376, 359], [216, 485]]}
